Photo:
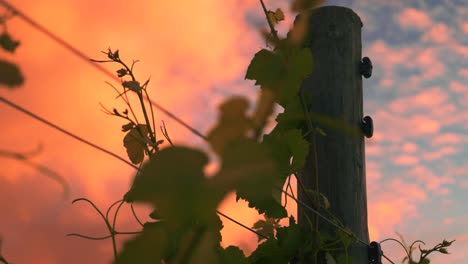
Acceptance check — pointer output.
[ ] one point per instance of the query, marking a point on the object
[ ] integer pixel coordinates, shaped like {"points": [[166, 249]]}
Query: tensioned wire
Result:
{"points": [[82, 56], [95, 146]]}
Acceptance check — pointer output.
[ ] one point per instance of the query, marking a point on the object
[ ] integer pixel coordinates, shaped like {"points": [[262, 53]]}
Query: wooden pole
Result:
{"points": [[335, 89]]}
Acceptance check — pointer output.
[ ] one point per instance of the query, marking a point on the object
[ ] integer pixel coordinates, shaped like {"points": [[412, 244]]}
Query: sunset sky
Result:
{"points": [[196, 53]]}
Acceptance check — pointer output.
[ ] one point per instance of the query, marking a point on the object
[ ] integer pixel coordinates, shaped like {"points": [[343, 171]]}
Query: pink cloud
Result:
{"points": [[425, 100], [459, 171], [431, 181], [425, 60], [413, 19], [388, 57], [460, 49], [428, 62], [391, 208], [386, 82], [463, 72], [438, 33], [396, 128], [459, 87], [405, 160], [457, 118], [448, 138], [445, 151], [448, 221], [374, 150], [465, 27], [409, 147], [424, 125], [373, 172]]}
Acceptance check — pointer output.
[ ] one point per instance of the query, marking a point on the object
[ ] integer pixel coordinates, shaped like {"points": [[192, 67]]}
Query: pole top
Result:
{"points": [[334, 11]]}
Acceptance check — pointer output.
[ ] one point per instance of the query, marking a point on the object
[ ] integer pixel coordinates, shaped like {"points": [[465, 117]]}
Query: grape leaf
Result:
{"points": [[135, 143], [266, 227], [249, 167], [10, 74], [147, 247], [290, 242], [232, 255], [132, 85], [8, 43], [286, 145], [198, 247], [173, 181], [291, 238], [268, 252], [232, 124], [299, 61], [329, 258], [185, 202], [263, 110], [276, 16], [292, 118], [282, 71], [265, 68]]}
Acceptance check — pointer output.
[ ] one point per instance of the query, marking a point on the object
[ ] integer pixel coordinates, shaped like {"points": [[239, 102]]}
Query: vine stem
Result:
{"points": [[142, 103], [272, 28], [109, 227]]}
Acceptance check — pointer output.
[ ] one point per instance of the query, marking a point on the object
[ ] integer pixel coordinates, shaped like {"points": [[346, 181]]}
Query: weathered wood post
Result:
{"points": [[335, 90]]}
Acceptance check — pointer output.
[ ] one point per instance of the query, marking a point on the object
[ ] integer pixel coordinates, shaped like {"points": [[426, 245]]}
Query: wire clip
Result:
{"points": [[365, 67], [367, 126], [374, 253]]}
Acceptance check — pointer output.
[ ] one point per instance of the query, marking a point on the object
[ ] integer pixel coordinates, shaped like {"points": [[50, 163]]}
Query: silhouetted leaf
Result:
{"points": [[132, 85], [266, 227], [135, 143], [282, 71], [290, 242], [232, 255], [127, 127], [286, 145], [174, 183], [8, 43], [232, 124], [198, 248], [146, 248], [263, 110], [10, 74], [329, 258], [275, 16], [250, 168], [122, 72], [293, 116], [291, 238], [265, 68]]}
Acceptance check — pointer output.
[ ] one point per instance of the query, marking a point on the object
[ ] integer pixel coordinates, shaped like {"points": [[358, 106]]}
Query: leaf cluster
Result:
{"points": [[10, 73]]}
